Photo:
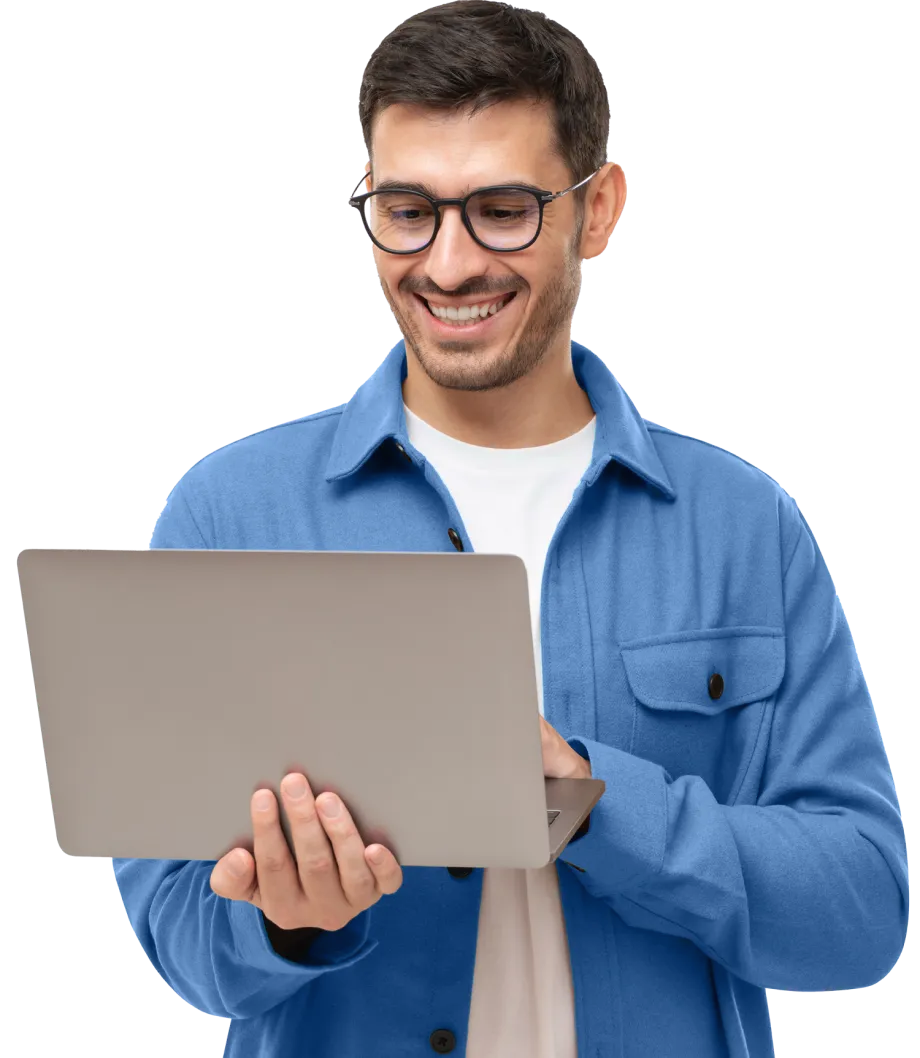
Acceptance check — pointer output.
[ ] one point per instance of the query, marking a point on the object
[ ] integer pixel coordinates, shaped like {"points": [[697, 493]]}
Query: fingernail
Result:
{"points": [[295, 787], [235, 866], [263, 800], [330, 806]]}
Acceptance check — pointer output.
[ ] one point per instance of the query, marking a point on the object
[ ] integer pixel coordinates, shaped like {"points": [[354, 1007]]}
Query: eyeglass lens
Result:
{"points": [[503, 220]]}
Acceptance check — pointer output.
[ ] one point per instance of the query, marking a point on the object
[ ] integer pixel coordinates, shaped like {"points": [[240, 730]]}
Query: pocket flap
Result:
{"points": [[673, 671]]}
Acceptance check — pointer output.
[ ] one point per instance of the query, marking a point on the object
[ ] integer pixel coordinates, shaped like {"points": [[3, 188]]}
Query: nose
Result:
{"points": [[454, 255]]}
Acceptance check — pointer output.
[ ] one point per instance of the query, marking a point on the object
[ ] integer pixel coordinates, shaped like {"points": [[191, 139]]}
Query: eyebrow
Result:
{"points": [[427, 189]]}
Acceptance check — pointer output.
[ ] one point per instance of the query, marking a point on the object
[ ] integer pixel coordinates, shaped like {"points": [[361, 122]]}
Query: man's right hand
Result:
{"points": [[332, 877]]}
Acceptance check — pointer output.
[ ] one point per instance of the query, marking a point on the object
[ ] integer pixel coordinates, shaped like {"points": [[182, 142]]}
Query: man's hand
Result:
{"points": [[560, 761], [331, 876]]}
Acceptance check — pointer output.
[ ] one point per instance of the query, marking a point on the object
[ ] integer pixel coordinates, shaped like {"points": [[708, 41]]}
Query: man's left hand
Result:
{"points": [[560, 761]]}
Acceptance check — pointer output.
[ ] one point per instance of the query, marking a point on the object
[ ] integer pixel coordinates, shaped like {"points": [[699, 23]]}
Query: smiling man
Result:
{"points": [[690, 647]]}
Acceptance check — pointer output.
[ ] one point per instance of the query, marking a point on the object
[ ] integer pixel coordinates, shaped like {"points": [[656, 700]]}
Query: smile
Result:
{"points": [[476, 318]]}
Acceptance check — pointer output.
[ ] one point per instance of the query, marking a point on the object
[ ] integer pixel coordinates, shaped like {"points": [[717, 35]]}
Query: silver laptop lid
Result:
{"points": [[172, 683]]}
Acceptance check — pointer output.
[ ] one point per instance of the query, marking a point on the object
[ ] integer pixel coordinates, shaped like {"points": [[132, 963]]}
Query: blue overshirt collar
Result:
{"points": [[375, 413]]}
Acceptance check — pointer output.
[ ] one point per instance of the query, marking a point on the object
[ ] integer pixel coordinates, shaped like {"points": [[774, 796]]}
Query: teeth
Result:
{"points": [[468, 314]]}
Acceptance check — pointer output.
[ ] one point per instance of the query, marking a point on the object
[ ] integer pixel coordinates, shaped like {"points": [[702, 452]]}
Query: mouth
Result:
{"points": [[464, 322]]}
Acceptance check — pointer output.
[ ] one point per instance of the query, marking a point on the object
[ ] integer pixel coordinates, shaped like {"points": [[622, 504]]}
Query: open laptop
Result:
{"points": [[171, 684]]}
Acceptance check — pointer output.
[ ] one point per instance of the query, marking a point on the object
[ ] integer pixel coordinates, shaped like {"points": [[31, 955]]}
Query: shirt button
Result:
{"points": [[455, 539], [716, 685], [403, 451], [443, 1041], [459, 872]]}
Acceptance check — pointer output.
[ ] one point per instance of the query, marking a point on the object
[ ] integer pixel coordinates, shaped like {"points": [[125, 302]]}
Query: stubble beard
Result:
{"points": [[463, 365]]}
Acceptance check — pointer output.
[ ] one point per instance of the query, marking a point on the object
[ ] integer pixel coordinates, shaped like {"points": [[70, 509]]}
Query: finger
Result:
{"points": [[386, 868], [316, 864], [357, 879], [277, 885], [234, 875]]}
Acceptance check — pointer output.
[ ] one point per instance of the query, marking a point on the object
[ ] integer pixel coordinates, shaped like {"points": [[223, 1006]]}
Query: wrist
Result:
{"points": [[583, 769]]}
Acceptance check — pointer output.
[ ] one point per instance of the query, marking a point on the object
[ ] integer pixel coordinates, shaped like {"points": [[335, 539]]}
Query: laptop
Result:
{"points": [[171, 684]]}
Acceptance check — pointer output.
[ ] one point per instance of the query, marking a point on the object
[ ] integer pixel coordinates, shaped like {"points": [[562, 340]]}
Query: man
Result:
{"points": [[691, 648]]}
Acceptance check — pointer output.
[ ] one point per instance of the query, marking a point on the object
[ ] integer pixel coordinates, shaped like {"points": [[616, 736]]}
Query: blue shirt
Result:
{"points": [[749, 836]]}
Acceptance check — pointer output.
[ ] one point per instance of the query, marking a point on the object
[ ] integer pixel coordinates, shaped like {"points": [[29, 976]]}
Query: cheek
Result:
{"points": [[391, 275]]}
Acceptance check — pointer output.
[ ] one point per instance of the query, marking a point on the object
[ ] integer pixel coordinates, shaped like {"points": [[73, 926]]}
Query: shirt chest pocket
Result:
{"points": [[700, 698]]}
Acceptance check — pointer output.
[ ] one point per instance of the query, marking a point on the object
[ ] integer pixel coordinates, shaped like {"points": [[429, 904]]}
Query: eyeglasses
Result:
{"points": [[504, 217]]}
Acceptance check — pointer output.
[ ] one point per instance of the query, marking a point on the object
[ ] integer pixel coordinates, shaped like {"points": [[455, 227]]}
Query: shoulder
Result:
{"points": [[692, 459], [727, 491], [291, 448]]}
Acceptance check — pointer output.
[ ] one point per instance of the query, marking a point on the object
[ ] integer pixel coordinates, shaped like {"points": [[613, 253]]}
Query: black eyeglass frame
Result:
{"points": [[541, 196]]}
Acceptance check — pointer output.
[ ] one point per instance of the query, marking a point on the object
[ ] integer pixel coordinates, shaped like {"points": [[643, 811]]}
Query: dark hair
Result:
{"points": [[471, 54]]}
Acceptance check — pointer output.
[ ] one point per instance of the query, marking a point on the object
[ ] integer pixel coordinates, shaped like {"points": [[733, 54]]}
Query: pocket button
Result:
{"points": [[716, 685]]}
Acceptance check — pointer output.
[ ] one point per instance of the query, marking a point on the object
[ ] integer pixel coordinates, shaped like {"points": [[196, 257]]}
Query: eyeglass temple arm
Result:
{"points": [[548, 197]]}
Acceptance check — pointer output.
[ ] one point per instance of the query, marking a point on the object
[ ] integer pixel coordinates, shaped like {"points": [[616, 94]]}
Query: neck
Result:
{"points": [[543, 406]]}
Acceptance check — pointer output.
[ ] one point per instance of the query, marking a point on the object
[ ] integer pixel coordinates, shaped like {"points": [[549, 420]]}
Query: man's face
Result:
{"points": [[507, 143]]}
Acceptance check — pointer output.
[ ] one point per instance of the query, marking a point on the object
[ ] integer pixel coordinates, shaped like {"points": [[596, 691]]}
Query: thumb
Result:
{"points": [[233, 876]]}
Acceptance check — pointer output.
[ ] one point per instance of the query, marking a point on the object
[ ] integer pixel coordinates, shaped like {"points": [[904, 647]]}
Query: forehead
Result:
{"points": [[454, 152]]}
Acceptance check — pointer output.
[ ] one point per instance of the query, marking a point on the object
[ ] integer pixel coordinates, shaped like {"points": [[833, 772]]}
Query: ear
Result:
{"points": [[603, 207]]}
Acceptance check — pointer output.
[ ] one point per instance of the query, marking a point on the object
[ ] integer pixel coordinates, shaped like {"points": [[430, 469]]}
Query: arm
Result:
{"points": [[805, 889]]}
